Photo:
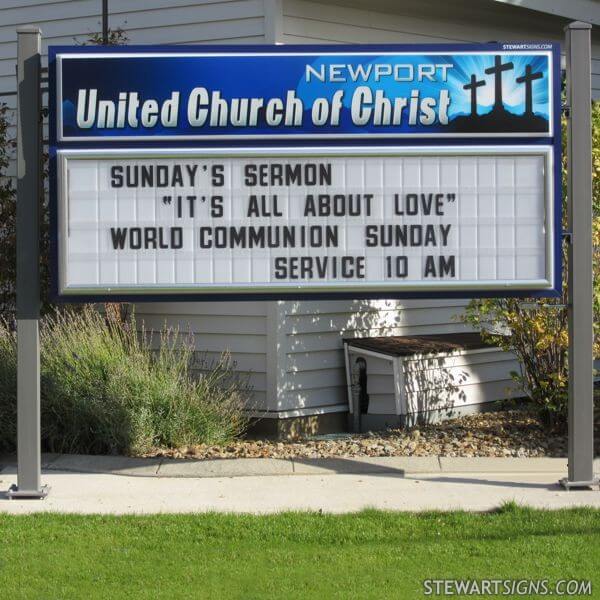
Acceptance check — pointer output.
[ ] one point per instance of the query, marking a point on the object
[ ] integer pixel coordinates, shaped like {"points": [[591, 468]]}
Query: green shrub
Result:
{"points": [[105, 390], [539, 339]]}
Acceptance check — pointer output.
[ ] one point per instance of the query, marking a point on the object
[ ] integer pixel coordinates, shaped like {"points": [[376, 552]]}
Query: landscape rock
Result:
{"points": [[515, 433]]}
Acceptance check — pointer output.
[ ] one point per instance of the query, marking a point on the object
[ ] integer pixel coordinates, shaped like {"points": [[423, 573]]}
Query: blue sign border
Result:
{"points": [[543, 140]]}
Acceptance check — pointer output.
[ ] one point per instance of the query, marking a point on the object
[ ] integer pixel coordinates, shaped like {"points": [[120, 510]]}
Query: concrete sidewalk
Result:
{"points": [[119, 485]]}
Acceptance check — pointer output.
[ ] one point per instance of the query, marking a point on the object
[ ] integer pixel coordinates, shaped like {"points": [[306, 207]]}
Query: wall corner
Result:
{"points": [[273, 21], [276, 355]]}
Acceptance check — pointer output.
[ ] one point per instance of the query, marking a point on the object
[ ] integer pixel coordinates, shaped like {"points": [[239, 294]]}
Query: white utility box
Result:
{"points": [[404, 380]]}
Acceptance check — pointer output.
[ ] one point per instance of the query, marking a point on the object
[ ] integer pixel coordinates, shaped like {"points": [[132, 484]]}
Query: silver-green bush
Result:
{"points": [[106, 390]]}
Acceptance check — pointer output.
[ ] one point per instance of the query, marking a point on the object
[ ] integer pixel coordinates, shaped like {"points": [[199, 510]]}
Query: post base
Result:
{"points": [[579, 484], [14, 493]]}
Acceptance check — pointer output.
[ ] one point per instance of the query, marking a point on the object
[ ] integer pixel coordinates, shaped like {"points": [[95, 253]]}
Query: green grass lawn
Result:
{"points": [[293, 555]]}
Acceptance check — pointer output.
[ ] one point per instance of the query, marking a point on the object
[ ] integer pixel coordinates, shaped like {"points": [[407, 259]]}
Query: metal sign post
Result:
{"points": [[579, 152], [29, 191]]}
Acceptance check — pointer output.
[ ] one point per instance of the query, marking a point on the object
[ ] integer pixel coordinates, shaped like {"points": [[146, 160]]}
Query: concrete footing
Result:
{"points": [[297, 427]]}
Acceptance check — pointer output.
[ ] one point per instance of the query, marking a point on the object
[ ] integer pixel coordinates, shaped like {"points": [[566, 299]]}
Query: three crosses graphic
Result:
{"points": [[499, 67]]}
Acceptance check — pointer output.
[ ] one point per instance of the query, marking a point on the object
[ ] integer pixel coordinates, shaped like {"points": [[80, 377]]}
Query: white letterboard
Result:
{"points": [[306, 219]]}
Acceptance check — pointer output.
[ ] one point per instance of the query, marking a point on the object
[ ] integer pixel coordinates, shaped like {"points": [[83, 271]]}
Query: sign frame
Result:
{"points": [[226, 146], [273, 290]]}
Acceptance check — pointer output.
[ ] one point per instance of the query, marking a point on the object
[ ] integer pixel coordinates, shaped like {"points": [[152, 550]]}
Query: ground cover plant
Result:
{"points": [[106, 390], [367, 555]]}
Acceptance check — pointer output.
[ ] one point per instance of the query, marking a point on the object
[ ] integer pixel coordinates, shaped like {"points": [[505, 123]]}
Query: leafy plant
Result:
{"points": [[538, 337], [105, 389], [116, 37]]}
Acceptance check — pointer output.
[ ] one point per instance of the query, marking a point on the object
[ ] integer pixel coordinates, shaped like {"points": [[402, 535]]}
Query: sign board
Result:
{"points": [[291, 172]]}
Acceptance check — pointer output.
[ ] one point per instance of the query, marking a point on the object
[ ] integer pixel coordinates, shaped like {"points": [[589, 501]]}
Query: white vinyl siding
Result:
{"points": [[292, 351], [427, 21], [238, 328], [144, 21], [455, 381], [313, 376]]}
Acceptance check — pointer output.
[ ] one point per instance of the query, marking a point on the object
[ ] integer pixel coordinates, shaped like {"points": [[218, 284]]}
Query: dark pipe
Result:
{"points": [[361, 404], [363, 397], [105, 22]]}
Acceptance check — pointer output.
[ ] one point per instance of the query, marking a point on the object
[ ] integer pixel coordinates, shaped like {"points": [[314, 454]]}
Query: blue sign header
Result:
{"points": [[493, 90]]}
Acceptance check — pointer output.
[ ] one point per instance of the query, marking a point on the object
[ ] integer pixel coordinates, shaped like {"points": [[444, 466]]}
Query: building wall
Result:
{"points": [[312, 380], [292, 351], [312, 376], [421, 22], [145, 22], [239, 328]]}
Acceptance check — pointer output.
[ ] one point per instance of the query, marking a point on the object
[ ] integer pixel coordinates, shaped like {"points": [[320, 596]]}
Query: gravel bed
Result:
{"points": [[506, 433]]}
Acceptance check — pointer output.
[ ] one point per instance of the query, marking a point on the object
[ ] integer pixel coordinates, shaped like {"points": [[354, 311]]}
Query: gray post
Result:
{"points": [[579, 154], [29, 196]]}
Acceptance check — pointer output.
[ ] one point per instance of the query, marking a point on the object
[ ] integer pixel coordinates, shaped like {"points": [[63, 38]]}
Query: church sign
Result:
{"points": [[278, 172]]}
